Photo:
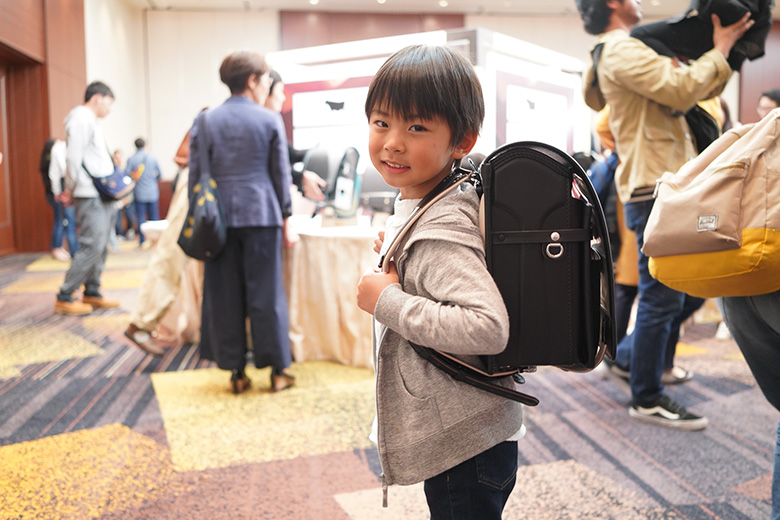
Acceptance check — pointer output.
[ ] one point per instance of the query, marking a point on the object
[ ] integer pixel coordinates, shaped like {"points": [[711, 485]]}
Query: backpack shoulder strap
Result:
{"points": [[450, 182]]}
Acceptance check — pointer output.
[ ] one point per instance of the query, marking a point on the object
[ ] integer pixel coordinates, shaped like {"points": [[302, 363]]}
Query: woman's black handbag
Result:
{"points": [[205, 231]]}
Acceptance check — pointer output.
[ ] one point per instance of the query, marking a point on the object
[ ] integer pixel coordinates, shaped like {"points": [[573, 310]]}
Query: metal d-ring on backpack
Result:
{"points": [[547, 249]]}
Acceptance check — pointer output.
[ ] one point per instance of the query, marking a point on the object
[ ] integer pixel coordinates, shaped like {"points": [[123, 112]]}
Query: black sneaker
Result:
{"points": [[668, 412]]}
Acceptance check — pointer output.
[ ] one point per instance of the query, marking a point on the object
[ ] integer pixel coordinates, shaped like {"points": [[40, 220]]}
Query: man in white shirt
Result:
{"points": [[88, 154]]}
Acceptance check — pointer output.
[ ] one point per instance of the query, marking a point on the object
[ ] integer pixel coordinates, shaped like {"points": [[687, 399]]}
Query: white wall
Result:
{"points": [[188, 48], [563, 34], [114, 38], [567, 35], [163, 67]]}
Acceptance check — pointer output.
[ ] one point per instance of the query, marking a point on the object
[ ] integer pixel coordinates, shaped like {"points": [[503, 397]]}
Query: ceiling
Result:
{"points": [[651, 8]]}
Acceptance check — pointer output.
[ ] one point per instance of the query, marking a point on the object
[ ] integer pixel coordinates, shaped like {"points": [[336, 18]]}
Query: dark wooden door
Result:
{"points": [[7, 245]]}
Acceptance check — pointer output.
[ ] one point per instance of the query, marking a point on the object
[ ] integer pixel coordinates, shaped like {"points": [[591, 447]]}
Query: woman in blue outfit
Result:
{"points": [[247, 149]]}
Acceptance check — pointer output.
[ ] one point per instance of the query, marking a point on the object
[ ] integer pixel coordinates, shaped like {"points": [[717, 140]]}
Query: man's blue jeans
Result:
{"points": [[476, 489], [145, 211], [754, 321], [660, 309]]}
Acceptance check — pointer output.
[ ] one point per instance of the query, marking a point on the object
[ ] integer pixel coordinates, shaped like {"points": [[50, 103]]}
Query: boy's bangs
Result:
{"points": [[404, 94]]}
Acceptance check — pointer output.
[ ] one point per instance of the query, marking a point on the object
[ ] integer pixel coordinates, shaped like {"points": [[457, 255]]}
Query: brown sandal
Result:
{"points": [[281, 380]]}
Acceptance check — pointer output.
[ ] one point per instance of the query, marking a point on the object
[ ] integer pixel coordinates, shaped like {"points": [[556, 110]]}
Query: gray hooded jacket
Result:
{"points": [[447, 300]]}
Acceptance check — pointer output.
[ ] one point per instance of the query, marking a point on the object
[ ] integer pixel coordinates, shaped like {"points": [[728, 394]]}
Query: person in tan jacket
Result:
{"points": [[648, 95]]}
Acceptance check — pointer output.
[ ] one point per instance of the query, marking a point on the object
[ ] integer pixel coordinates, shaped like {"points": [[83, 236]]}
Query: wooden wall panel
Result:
{"points": [[27, 131], [759, 76], [22, 27], [66, 61], [42, 45], [306, 29]]}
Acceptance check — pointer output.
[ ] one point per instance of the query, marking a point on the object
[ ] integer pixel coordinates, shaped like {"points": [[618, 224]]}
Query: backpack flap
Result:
{"points": [[541, 216]]}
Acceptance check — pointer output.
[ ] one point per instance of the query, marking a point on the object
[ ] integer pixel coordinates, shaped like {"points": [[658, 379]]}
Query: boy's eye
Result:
{"points": [[417, 128], [380, 123]]}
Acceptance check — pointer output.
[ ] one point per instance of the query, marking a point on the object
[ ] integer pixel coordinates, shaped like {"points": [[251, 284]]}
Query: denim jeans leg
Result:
{"points": [[56, 230], [691, 304], [142, 211], [754, 321], [656, 312], [476, 489], [69, 221], [776, 480]]}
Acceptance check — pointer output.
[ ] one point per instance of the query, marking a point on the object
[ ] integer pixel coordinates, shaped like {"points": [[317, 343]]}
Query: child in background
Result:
{"points": [[425, 109]]}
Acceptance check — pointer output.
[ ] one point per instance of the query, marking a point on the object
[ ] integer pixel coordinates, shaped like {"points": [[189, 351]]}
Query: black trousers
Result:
{"points": [[245, 281]]}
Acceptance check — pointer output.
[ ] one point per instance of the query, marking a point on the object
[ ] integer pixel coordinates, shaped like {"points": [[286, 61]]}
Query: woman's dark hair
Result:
{"points": [[238, 67], [773, 94], [429, 82], [97, 88], [46, 157], [595, 14]]}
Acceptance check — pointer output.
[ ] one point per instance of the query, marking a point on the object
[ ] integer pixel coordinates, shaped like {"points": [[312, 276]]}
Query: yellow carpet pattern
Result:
{"points": [[83, 474], [207, 427], [29, 344]]}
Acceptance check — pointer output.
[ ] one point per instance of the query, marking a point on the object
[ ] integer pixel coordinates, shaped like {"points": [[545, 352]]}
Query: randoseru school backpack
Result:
{"points": [[547, 249]]}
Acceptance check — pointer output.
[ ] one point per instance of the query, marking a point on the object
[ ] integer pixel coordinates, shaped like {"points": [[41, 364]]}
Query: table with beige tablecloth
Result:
{"points": [[324, 269]]}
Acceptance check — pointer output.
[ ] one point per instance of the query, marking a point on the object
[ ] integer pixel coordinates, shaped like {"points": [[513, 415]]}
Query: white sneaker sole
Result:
{"points": [[676, 424]]}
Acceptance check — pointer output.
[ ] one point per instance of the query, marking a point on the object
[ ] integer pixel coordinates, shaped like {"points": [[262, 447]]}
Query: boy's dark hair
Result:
{"points": [[140, 143], [238, 67], [428, 82], [97, 88], [595, 14], [773, 94]]}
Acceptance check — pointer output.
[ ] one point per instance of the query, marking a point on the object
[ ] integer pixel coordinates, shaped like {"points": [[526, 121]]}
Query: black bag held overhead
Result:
{"points": [[205, 231], [547, 249]]}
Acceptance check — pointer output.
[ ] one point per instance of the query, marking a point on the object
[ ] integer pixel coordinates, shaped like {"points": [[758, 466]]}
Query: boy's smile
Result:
{"points": [[412, 155]]}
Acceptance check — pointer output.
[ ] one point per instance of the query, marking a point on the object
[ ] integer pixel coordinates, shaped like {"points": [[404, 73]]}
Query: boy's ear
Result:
{"points": [[464, 147]]}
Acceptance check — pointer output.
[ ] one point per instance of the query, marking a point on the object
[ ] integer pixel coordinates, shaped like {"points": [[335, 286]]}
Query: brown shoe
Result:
{"points": [[281, 380], [99, 302], [143, 339], [72, 308], [239, 382]]}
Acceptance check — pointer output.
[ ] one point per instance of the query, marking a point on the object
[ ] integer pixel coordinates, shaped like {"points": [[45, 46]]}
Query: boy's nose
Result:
{"points": [[393, 143]]}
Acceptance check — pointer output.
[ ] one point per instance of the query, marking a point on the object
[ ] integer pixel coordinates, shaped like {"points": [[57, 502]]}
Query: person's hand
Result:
{"points": [[289, 237], [65, 198], [724, 38], [371, 285], [313, 185], [378, 242]]}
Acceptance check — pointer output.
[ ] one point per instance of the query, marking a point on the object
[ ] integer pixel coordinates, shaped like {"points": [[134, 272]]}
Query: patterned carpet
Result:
{"points": [[92, 428]]}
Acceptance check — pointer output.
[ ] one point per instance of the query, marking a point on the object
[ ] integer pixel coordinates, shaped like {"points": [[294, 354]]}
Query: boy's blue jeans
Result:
{"points": [[754, 321], [476, 489]]}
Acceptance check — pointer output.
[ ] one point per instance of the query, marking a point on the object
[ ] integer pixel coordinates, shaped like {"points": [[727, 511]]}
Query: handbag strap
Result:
{"points": [[203, 150]]}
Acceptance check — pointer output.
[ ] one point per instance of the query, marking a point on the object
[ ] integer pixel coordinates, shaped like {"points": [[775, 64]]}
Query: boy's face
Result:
{"points": [[412, 155]]}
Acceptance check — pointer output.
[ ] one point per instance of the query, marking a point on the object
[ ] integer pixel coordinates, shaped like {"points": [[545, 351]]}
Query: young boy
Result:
{"points": [[425, 109]]}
